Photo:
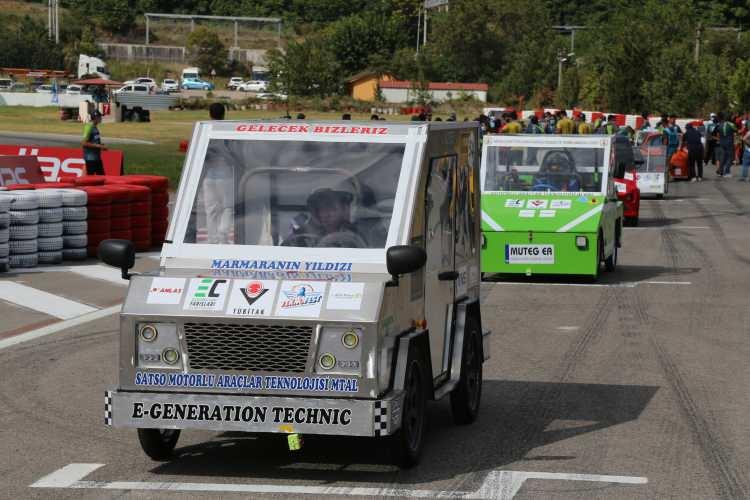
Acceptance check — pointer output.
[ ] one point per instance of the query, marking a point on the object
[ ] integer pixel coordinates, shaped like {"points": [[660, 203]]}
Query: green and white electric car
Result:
{"points": [[549, 205]]}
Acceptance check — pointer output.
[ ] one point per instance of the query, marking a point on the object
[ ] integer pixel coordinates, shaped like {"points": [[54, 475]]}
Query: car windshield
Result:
{"points": [[544, 169], [296, 193], [654, 156]]}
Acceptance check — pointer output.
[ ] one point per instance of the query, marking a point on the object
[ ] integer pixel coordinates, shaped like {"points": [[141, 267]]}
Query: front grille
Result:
{"points": [[223, 346]]}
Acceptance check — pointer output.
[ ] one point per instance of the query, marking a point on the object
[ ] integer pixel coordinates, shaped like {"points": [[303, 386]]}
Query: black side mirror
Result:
{"points": [[404, 259], [118, 253], [639, 161]]}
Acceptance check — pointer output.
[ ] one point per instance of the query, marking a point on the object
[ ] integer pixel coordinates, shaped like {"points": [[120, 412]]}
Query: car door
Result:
{"points": [[440, 273]]}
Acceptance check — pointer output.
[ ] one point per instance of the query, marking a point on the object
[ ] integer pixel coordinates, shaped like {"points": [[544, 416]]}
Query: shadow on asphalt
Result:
{"points": [[516, 418], [623, 275]]}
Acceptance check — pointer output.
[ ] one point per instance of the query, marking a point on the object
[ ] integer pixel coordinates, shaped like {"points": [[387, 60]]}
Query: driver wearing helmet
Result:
{"points": [[558, 174], [329, 224]]}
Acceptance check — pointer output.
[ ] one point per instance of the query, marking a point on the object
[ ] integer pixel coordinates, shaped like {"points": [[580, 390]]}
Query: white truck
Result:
{"points": [[89, 65]]}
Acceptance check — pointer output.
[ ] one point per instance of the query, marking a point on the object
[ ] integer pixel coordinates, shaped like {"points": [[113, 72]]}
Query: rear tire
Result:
{"points": [[406, 444], [467, 395], [158, 443]]}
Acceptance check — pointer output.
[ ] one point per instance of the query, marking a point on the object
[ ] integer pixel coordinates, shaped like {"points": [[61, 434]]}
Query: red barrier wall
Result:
{"points": [[56, 161]]}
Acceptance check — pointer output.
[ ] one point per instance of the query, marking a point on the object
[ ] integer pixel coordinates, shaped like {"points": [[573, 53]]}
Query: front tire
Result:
{"points": [[465, 398], [610, 263], [158, 443], [406, 444]]}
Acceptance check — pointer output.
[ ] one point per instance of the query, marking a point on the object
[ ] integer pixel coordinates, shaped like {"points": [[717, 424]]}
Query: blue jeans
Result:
{"points": [[727, 156], [745, 162]]}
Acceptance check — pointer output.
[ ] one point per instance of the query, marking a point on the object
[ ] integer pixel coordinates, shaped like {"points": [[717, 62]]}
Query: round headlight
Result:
{"points": [[327, 361], [170, 355], [149, 333], [350, 339]]}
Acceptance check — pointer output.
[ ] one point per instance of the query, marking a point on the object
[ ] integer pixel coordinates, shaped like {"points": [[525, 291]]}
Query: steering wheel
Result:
{"points": [[342, 239], [304, 239], [542, 186]]}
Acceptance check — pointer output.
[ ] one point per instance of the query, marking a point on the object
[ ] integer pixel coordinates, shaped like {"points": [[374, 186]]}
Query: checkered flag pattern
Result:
{"points": [[381, 418], [108, 408]]}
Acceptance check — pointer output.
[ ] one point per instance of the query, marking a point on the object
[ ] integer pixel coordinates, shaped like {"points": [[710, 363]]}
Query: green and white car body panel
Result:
{"points": [[529, 227]]}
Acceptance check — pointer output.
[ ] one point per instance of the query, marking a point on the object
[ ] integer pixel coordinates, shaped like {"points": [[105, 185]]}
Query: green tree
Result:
{"points": [[206, 50], [739, 86], [27, 45], [114, 16], [306, 68]]}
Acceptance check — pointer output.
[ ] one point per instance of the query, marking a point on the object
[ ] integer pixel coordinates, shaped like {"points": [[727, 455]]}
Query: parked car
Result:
{"points": [[170, 85], [5, 83], [624, 179], [196, 84], [234, 82], [44, 89], [74, 89], [253, 86], [146, 81], [20, 87], [133, 89]]}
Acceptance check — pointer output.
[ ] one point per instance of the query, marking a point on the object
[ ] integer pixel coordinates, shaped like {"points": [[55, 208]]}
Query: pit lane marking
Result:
{"points": [[497, 485], [41, 301], [59, 326]]}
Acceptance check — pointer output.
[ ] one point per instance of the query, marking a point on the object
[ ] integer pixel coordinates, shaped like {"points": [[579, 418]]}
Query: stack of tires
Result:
{"points": [[99, 212], [140, 217], [4, 232], [23, 228], [50, 228], [159, 210], [75, 225], [121, 225]]}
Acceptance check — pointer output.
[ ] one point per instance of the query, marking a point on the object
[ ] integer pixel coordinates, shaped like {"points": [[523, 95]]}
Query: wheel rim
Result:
{"points": [[473, 377], [413, 408]]}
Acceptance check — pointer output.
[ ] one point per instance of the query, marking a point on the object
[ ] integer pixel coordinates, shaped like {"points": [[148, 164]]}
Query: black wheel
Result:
{"points": [[158, 443], [610, 263], [406, 444], [465, 398]]}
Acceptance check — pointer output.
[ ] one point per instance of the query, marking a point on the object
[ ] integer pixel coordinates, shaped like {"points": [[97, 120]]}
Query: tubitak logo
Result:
{"points": [[253, 291]]}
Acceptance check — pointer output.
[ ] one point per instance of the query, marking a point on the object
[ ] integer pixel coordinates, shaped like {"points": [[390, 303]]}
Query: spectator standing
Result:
{"points": [[565, 125], [692, 141], [533, 127], [584, 128], [671, 138], [745, 156], [711, 141], [92, 145], [218, 185], [725, 131]]}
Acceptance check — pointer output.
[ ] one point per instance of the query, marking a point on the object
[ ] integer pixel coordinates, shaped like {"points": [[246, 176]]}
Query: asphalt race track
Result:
{"points": [[635, 387]]}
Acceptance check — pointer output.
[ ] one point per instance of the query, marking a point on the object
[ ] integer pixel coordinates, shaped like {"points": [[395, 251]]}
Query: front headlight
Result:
{"points": [[339, 350], [149, 333], [170, 355], [582, 242], [350, 339], [157, 346]]}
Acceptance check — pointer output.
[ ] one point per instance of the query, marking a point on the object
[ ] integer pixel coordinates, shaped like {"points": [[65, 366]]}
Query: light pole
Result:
{"points": [[562, 58]]}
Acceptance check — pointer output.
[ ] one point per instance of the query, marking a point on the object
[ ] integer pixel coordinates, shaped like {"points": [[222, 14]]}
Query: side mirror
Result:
{"points": [[639, 162], [404, 259], [118, 253]]}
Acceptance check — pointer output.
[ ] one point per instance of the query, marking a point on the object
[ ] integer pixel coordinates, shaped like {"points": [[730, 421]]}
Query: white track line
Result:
{"points": [[498, 485], [62, 325], [44, 302]]}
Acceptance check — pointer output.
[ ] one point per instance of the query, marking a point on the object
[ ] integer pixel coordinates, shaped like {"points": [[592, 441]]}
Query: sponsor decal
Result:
{"points": [[537, 204], [300, 299], [280, 265], [620, 187], [272, 128], [529, 254], [165, 291], [583, 199], [560, 204], [546, 214], [345, 296], [56, 161], [512, 203], [251, 298], [254, 382], [206, 294], [527, 213], [241, 413], [281, 275]]}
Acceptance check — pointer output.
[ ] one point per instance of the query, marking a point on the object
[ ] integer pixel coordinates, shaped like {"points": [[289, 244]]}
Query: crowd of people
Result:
{"points": [[719, 141]]}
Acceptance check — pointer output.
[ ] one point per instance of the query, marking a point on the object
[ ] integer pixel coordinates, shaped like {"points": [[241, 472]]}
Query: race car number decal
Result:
{"points": [[529, 254]]}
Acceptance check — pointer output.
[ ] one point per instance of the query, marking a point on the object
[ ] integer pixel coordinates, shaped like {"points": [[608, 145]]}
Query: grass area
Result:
{"points": [[166, 130]]}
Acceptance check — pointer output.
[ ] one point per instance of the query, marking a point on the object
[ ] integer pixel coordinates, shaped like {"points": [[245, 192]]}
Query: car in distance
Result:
{"points": [[253, 86], [234, 82], [196, 84], [170, 85]]}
